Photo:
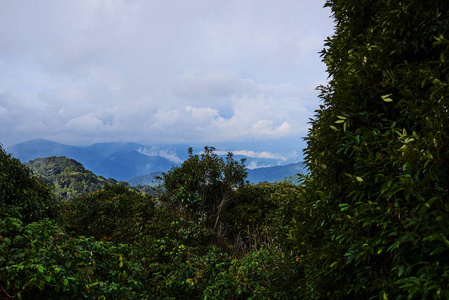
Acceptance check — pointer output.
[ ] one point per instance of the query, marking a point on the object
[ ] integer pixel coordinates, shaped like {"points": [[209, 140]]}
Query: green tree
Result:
{"points": [[374, 221], [23, 191], [205, 184], [260, 215], [115, 212]]}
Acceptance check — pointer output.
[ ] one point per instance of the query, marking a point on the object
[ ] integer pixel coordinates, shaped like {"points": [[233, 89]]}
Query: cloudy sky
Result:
{"points": [[153, 72]]}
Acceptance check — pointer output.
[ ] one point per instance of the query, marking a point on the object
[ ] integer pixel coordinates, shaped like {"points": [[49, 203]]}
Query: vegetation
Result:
{"points": [[117, 243], [22, 191], [205, 185], [373, 222], [369, 221], [68, 177], [39, 260]]}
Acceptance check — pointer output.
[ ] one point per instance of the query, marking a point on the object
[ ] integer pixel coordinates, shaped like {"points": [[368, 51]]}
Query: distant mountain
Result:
{"points": [[121, 161], [291, 179], [272, 174], [125, 161], [287, 173], [43, 148], [68, 177], [149, 179]]}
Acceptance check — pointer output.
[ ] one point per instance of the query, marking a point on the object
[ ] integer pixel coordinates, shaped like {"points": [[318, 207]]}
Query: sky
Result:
{"points": [[161, 72]]}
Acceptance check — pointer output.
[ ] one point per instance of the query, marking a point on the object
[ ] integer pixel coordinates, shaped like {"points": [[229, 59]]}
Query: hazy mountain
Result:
{"points": [[121, 161], [148, 179], [291, 179], [286, 173], [125, 161], [43, 148], [272, 174]]}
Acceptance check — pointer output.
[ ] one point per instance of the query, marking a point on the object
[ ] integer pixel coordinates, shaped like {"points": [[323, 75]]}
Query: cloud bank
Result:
{"points": [[157, 72]]}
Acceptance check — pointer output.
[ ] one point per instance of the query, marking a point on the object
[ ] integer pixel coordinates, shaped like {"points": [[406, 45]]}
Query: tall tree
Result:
{"points": [[205, 184], [375, 217]]}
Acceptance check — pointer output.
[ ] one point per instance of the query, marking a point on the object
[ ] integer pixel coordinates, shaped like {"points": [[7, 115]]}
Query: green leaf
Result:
{"points": [[334, 264], [438, 250], [387, 98], [401, 270]]}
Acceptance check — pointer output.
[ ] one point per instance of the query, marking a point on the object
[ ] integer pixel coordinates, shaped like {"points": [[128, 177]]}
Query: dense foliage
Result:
{"points": [[115, 212], [68, 177], [205, 184], [22, 190], [260, 215], [374, 222], [39, 260], [369, 221], [117, 243]]}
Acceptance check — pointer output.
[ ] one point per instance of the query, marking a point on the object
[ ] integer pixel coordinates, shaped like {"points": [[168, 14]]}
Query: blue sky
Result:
{"points": [[161, 72]]}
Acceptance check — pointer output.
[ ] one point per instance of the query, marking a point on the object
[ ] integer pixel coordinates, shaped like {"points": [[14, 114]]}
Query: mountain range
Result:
{"points": [[128, 161]]}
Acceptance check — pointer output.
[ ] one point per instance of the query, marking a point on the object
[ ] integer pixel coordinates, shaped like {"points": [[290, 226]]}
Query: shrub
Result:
{"points": [[38, 260], [266, 273]]}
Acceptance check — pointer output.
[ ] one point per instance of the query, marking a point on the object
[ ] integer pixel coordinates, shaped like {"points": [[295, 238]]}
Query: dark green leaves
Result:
{"points": [[375, 200]]}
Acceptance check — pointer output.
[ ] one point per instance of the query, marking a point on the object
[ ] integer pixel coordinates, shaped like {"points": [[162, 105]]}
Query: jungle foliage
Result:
{"points": [[68, 177], [374, 219], [205, 184], [117, 243], [369, 221]]}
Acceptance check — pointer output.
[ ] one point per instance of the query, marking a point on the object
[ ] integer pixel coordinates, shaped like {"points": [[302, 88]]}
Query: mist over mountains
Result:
{"points": [[126, 161]]}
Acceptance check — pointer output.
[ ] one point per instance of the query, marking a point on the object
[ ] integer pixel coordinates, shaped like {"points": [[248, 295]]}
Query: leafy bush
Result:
{"points": [[262, 274], [38, 260]]}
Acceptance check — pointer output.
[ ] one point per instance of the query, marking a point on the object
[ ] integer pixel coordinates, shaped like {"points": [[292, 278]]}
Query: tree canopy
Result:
{"points": [[374, 222], [205, 184]]}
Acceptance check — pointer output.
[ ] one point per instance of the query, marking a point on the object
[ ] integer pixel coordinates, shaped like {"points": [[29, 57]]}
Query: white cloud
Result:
{"points": [[159, 71], [87, 123], [216, 84], [255, 154], [154, 151], [255, 165]]}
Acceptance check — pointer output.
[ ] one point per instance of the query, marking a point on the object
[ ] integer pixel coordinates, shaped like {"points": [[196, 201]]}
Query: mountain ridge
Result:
{"points": [[124, 161]]}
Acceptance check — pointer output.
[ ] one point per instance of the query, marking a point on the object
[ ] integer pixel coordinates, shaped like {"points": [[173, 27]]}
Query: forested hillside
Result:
{"points": [[208, 236], [68, 177]]}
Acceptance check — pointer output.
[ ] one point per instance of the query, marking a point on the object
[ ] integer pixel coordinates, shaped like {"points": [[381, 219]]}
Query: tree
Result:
{"points": [[205, 184], [23, 191], [374, 221], [116, 212]]}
